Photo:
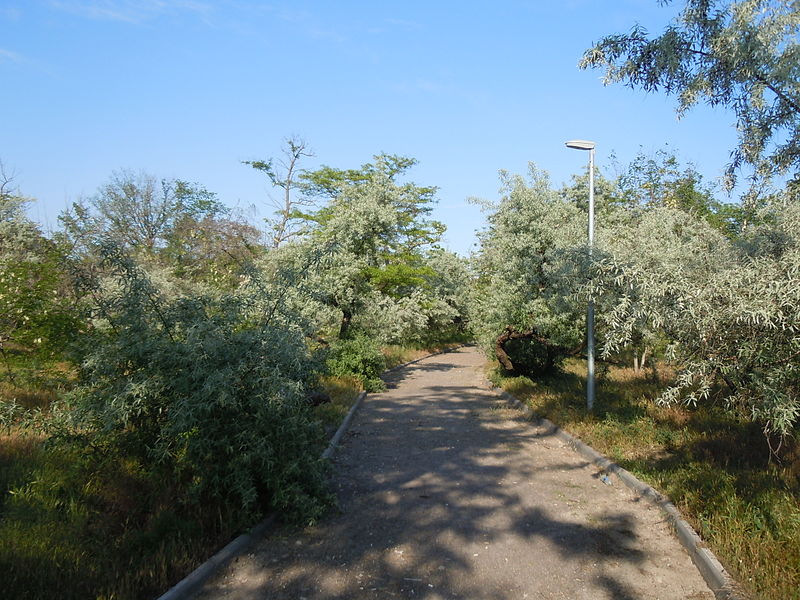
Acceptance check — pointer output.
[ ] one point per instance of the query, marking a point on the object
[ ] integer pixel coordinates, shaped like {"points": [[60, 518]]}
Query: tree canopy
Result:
{"points": [[743, 55]]}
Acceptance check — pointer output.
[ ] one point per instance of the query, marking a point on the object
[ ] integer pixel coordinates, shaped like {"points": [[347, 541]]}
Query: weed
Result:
{"points": [[343, 391]]}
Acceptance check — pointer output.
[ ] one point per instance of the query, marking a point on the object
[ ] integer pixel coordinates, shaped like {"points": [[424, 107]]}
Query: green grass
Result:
{"points": [[83, 523], [95, 525], [715, 468]]}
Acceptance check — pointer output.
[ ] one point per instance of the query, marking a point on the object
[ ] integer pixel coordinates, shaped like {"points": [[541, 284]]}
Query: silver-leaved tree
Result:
{"points": [[742, 55]]}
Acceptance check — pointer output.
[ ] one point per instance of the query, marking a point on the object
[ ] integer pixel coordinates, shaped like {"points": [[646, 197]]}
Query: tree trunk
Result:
{"points": [[500, 349], [510, 334], [344, 328]]}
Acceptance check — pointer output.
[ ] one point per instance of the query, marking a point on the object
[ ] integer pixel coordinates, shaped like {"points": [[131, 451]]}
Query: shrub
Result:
{"points": [[207, 390], [358, 357], [531, 357]]}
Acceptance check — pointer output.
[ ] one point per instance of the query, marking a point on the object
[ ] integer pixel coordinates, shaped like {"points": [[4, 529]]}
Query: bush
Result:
{"points": [[358, 357], [207, 390], [531, 357]]}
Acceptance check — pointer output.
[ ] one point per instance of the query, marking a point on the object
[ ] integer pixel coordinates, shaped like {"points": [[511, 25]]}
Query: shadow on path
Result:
{"points": [[441, 496]]}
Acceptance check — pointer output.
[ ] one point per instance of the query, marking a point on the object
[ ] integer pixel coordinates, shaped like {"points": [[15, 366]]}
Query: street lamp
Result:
{"points": [[585, 145]]}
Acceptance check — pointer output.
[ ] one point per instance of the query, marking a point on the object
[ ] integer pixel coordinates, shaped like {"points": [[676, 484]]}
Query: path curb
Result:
{"points": [[189, 584], [343, 427], [201, 574], [714, 574]]}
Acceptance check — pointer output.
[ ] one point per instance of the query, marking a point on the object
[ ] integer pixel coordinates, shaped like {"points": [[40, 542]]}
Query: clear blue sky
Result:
{"points": [[190, 88]]}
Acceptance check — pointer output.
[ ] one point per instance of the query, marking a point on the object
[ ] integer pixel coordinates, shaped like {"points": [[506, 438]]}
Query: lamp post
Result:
{"points": [[586, 145]]}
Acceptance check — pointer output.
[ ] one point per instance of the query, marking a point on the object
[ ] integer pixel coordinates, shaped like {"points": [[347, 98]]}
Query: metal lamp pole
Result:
{"points": [[586, 145]]}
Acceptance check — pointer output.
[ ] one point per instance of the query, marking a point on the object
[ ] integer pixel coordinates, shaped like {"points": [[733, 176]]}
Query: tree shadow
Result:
{"points": [[426, 481]]}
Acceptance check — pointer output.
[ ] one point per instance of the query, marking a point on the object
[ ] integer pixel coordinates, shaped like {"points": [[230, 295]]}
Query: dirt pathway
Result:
{"points": [[444, 492]]}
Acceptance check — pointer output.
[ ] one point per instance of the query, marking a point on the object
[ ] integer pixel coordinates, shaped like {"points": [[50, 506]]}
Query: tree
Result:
{"points": [[659, 180], [743, 55], [726, 309], [205, 390], [36, 311], [288, 213], [377, 230], [140, 212], [606, 193], [168, 223], [527, 270], [721, 309]]}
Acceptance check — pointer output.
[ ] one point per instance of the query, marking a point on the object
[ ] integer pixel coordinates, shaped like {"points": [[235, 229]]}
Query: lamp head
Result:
{"points": [[580, 145]]}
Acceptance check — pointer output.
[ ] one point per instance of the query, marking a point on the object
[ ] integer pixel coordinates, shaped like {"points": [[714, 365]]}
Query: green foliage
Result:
{"points": [[664, 275], [448, 285], [358, 357], [208, 389], [526, 268], [726, 309], [532, 357], [195, 351], [328, 182], [660, 181], [177, 225], [371, 214], [36, 311], [743, 55], [378, 234]]}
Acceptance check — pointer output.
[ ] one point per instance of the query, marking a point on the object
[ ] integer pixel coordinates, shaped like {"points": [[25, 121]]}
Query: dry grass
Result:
{"points": [[717, 469], [399, 355], [32, 383], [343, 392]]}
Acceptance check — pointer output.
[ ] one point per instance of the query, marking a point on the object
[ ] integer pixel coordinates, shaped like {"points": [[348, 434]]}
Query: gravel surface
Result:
{"points": [[445, 492]]}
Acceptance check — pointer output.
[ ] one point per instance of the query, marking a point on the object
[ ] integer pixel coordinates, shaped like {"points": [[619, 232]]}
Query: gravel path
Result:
{"points": [[444, 492]]}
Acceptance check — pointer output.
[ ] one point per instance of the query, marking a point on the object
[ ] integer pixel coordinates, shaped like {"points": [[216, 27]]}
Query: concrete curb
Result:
{"points": [[196, 578], [189, 584], [345, 425], [716, 577]]}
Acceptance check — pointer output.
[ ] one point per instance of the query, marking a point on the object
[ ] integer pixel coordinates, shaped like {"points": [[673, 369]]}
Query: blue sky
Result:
{"points": [[190, 88]]}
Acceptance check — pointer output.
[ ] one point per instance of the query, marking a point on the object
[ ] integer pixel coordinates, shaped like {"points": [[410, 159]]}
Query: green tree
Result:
{"points": [[726, 309], [743, 55], [659, 180], [168, 223], [204, 390], [37, 312], [527, 270], [378, 231]]}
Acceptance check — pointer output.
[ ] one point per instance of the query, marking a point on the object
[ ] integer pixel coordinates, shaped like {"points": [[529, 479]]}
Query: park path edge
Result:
{"points": [[715, 575], [189, 584]]}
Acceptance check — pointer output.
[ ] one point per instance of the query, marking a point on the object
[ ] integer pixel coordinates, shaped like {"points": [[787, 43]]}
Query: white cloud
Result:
{"points": [[130, 11], [9, 56], [10, 13]]}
